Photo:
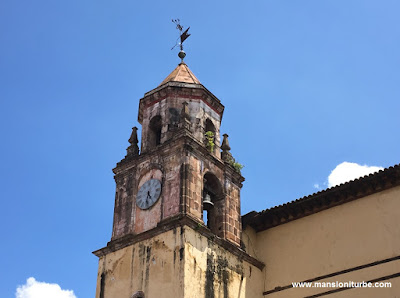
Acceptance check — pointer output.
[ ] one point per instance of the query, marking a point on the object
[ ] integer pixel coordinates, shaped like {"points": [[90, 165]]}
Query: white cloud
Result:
{"points": [[37, 289], [316, 186], [347, 171]]}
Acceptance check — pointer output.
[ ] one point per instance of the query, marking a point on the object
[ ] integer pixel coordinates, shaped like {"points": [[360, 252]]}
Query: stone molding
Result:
{"points": [[183, 221]]}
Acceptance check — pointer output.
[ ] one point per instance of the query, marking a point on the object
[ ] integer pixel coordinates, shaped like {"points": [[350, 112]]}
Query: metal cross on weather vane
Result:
{"points": [[183, 36]]}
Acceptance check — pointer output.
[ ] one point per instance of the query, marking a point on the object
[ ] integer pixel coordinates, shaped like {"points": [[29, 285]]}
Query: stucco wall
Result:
{"points": [[212, 271], [154, 266], [343, 237], [178, 263]]}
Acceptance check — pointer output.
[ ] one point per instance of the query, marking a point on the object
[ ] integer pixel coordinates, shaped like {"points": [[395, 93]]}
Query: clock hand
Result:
{"points": [[147, 198]]}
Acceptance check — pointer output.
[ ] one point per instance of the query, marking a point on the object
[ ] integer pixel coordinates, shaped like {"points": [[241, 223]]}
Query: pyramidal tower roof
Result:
{"points": [[181, 73]]}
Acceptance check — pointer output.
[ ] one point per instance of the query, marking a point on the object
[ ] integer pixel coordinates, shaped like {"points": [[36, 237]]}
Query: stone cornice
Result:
{"points": [[323, 200], [190, 144], [172, 223]]}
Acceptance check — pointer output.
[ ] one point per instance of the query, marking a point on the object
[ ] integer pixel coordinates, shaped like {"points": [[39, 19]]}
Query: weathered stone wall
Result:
{"points": [[225, 218], [199, 113], [180, 163], [233, 220], [172, 185], [154, 266], [163, 165], [124, 206], [178, 263], [213, 272], [168, 104]]}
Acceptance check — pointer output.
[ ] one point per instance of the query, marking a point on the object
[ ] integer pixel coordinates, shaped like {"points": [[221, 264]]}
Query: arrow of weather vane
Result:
{"points": [[183, 36]]}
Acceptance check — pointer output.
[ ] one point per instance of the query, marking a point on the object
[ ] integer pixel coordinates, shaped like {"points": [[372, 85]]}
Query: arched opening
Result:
{"points": [[173, 117], [154, 136], [209, 135], [212, 194], [138, 294]]}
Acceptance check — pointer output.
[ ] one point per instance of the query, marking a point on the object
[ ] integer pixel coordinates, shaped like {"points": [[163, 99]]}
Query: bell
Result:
{"points": [[207, 204]]}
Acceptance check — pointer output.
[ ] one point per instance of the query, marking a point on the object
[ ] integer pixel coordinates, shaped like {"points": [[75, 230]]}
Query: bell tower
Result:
{"points": [[179, 170], [177, 200]]}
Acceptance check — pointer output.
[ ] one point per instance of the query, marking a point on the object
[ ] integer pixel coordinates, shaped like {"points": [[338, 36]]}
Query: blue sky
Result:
{"points": [[307, 85]]}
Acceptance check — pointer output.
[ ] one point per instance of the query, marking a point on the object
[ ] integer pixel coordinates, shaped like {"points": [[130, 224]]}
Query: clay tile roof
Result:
{"points": [[181, 73], [340, 194]]}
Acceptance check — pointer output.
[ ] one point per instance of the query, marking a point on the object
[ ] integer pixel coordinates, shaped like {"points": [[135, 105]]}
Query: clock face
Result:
{"points": [[148, 194]]}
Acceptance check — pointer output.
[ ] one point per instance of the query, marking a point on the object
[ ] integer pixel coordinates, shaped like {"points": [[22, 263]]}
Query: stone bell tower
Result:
{"points": [[180, 148], [177, 201]]}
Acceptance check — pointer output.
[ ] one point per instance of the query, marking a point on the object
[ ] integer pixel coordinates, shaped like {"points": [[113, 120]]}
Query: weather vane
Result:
{"points": [[183, 36]]}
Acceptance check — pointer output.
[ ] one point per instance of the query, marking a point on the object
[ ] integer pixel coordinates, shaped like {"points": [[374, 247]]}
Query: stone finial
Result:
{"points": [[133, 149], [225, 143], [226, 155]]}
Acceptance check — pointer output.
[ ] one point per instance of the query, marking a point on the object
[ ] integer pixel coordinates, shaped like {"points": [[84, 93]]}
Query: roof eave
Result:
{"points": [[331, 197]]}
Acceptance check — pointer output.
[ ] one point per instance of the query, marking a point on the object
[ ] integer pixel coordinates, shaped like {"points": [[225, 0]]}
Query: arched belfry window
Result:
{"points": [[209, 135], [154, 136], [212, 193], [173, 118]]}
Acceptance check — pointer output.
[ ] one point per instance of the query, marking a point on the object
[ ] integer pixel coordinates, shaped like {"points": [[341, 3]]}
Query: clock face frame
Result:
{"points": [[148, 194]]}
